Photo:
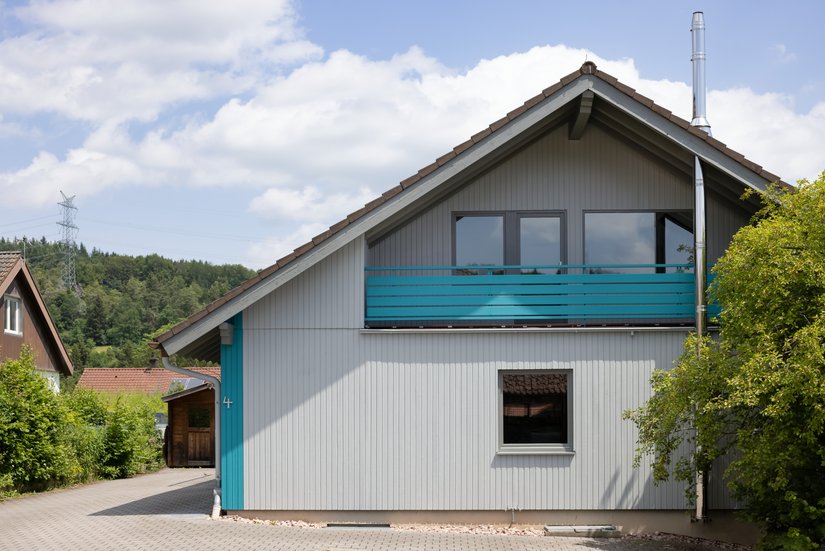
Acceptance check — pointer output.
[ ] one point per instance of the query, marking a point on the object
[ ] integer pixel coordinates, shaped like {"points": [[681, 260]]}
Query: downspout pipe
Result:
{"points": [[216, 384], [701, 308], [700, 121]]}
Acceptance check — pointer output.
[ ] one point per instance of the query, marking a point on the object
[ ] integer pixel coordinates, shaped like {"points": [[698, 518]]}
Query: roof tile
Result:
{"points": [[321, 237], [570, 78], [135, 379], [8, 259], [335, 228], [625, 89], [478, 136], [610, 79], [517, 112], [499, 124], [353, 216], [307, 246], [427, 170], [444, 158], [535, 100], [550, 90], [407, 182], [389, 194], [462, 147]]}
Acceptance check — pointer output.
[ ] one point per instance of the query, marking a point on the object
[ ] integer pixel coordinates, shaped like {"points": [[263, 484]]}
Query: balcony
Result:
{"points": [[565, 295]]}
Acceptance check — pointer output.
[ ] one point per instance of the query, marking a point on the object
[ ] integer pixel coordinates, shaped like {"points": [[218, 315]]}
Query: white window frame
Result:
{"points": [[13, 318], [535, 449]]}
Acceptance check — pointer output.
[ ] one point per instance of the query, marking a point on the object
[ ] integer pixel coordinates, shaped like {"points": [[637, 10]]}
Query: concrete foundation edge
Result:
{"points": [[722, 526]]}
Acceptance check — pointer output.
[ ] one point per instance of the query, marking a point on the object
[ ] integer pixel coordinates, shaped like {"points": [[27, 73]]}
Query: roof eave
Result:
{"points": [[172, 343], [448, 167]]}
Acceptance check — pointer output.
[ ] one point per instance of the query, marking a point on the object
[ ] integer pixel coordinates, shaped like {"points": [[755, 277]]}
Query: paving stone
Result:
{"points": [[169, 510]]}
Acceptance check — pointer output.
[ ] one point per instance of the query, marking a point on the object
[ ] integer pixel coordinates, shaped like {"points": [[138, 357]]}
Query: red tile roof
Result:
{"points": [[8, 259], [135, 379]]}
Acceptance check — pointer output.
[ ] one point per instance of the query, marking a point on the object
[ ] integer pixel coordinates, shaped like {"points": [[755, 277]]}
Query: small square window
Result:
{"points": [[13, 319], [535, 412]]}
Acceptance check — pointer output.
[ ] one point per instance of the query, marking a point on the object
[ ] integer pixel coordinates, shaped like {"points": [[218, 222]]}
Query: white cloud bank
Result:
{"points": [[313, 136]]}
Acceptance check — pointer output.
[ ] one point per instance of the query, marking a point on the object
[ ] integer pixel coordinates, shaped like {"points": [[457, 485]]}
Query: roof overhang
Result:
{"points": [[612, 104], [56, 347]]}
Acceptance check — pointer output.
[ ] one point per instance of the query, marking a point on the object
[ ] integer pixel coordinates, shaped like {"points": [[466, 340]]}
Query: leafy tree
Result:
{"points": [[759, 388]]}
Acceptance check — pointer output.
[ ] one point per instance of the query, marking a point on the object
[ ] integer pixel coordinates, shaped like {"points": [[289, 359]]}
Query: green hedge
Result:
{"points": [[49, 440]]}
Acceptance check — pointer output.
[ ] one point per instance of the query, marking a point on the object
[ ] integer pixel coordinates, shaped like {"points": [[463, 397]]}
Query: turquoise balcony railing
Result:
{"points": [[644, 294]]}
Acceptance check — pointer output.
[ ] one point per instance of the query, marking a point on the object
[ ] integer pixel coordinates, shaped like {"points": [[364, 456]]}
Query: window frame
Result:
{"points": [[540, 448], [511, 221], [660, 215], [7, 315]]}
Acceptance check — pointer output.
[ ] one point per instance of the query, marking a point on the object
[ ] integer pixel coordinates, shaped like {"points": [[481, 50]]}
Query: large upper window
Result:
{"points": [[637, 238], [531, 239], [13, 319], [535, 412]]}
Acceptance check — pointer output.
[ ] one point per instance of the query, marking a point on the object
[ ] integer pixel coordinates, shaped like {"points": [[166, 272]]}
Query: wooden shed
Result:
{"points": [[190, 434]]}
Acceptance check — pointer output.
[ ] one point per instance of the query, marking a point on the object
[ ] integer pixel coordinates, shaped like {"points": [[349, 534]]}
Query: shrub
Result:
{"points": [[131, 444], [48, 440], [33, 450]]}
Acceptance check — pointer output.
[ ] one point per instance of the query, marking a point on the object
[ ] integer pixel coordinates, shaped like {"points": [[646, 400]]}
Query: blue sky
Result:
{"points": [[234, 132]]}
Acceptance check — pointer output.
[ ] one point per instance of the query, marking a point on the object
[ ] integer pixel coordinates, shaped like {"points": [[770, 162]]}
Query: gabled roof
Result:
{"points": [[14, 268], [617, 107], [135, 379]]}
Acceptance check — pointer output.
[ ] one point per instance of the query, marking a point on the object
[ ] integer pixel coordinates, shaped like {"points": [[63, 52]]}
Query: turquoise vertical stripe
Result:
{"points": [[232, 418]]}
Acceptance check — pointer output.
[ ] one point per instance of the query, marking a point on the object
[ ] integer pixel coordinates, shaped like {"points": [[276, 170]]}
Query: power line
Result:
{"points": [[219, 236], [27, 220]]}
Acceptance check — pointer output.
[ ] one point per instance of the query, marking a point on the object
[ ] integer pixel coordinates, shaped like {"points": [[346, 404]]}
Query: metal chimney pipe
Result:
{"points": [[697, 30]]}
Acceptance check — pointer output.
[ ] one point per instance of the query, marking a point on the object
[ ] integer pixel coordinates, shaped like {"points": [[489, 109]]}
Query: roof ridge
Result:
{"points": [[588, 68]]}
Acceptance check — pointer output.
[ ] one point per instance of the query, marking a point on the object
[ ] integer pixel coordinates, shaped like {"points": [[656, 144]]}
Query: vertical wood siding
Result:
{"points": [[35, 334], [598, 172], [339, 419]]}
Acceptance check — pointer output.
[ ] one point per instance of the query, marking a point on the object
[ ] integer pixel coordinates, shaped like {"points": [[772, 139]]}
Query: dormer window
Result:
{"points": [[13, 319]]}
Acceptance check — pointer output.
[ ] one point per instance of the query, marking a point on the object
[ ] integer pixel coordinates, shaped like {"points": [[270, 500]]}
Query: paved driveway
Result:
{"points": [[168, 510]]}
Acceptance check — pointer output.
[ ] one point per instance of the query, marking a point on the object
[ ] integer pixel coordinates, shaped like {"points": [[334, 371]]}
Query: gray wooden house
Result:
{"points": [[466, 343]]}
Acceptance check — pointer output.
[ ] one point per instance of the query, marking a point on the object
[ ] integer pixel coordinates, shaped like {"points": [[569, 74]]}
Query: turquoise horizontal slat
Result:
{"points": [[514, 296], [528, 279], [523, 312], [568, 289], [521, 300]]}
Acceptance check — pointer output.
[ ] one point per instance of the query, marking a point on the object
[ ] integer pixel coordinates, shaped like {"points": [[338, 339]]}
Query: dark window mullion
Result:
{"points": [[660, 241]]}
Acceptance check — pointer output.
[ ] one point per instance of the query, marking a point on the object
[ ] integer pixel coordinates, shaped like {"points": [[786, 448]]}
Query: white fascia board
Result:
{"points": [[403, 200], [672, 131]]}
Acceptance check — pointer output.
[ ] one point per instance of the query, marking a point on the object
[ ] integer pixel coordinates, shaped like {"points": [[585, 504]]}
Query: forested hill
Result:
{"points": [[121, 301]]}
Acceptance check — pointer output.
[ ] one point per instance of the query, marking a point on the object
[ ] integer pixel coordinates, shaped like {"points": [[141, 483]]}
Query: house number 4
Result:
{"points": [[227, 402]]}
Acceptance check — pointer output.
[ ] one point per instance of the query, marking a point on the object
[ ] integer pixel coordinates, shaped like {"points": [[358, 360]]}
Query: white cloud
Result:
{"points": [[118, 60], [267, 251], [311, 143], [308, 204]]}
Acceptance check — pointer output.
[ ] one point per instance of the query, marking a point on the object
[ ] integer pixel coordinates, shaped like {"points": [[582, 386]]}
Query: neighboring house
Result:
{"points": [[26, 321], [147, 380], [190, 433], [466, 343]]}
